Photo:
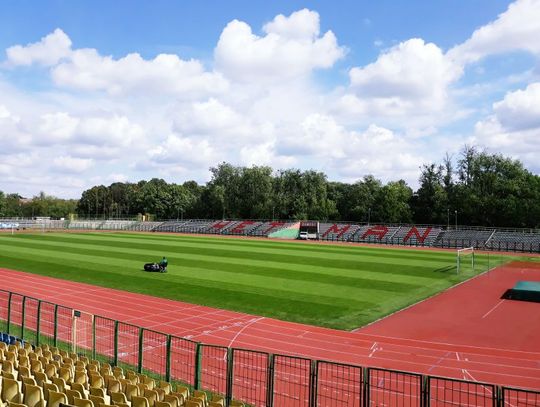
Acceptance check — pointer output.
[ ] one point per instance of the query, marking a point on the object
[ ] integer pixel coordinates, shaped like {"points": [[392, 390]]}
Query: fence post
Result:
{"points": [[55, 338], [270, 381], [9, 313], [23, 312], [366, 387], [141, 348], [313, 384], [115, 342], [230, 361], [94, 337], [425, 391], [168, 359], [197, 376], [38, 322]]}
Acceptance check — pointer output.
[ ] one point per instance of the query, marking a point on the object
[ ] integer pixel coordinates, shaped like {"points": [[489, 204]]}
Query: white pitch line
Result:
{"points": [[492, 309]]}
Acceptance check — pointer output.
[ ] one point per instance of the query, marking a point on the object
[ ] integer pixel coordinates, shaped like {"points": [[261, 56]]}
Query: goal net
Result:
{"points": [[465, 260]]}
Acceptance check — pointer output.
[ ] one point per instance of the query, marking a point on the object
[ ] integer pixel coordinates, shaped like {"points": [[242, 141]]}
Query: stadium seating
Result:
{"points": [[514, 241], [457, 238], [83, 382], [374, 234], [265, 228], [337, 231], [416, 236]]}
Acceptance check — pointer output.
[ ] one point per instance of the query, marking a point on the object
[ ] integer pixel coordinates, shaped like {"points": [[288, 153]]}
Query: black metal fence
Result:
{"points": [[253, 377]]}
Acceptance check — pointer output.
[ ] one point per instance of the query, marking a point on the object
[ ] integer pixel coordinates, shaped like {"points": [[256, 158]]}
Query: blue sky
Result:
{"points": [[96, 92]]}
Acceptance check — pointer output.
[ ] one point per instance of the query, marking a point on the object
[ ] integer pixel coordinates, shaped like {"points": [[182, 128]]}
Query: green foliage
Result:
{"points": [[476, 189]]}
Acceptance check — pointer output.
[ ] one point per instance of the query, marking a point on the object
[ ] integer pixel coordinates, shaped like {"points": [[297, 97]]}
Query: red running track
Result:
{"points": [[466, 332]]}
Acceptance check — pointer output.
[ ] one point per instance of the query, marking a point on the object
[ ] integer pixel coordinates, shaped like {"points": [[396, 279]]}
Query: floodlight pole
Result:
{"points": [[455, 212], [369, 216], [447, 218]]}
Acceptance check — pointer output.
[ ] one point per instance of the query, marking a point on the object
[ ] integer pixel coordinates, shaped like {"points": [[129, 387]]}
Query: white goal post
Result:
{"points": [[464, 255]]}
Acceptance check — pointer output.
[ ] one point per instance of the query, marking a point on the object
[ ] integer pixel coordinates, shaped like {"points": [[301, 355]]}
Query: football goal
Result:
{"points": [[465, 260]]}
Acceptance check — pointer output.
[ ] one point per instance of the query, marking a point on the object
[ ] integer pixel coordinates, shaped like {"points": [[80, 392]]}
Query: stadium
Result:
{"points": [[257, 342], [270, 204]]}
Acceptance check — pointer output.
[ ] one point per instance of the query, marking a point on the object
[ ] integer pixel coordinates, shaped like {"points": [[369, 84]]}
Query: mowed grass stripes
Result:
{"points": [[336, 286]]}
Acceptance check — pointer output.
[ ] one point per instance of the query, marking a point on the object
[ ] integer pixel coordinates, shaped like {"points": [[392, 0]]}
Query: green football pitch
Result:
{"points": [[340, 286]]}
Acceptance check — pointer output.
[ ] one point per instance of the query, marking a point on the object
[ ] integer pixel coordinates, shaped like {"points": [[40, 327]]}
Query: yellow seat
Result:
{"points": [[118, 372], [151, 396], [215, 404], [149, 382], [97, 381], [183, 390], [71, 394], [41, 378], [97, 400], [10, 391], [24, 372], [236, 403], [24, 361], [50, 370], [201, 395], [81, 378], [97, 392], [132, 390], [55, 398], [83, 402], [113, 385], [60, 383], [193, 403], [80, 388], [47, 387], [9, 375], [174, 401], [65, 373], [162, 404], [33, 396], [216, 398], [118, 397], [137, 401], [36, 365]]}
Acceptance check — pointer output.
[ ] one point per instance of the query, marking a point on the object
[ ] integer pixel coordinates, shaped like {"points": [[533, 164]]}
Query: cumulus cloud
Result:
{"points": [[208, 117], [184, 151], [514, 126], [515, 29], [166, 73], [520, 110], [48, 51], [102, 131], [291, 47], [411, 75]]}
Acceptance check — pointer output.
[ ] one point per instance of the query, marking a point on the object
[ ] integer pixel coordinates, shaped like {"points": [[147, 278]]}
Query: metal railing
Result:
{"points": [[256, 378]]}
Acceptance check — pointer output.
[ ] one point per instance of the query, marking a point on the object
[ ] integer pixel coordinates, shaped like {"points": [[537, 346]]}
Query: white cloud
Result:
{"points": [[166, 73], [518, 28], [209, 117], [184, 151], [57, 127], [69, 164], [291, 47], [514, 126], [48, 51], [411, 75], [520, 110], [109, 131]]}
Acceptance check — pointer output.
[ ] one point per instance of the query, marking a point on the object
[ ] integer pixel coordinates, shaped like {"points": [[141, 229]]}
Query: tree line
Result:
{"points": [[476, 188]]}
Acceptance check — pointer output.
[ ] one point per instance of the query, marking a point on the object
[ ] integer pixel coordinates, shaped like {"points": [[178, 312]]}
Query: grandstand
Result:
{"points": [[408, 235], [514, 241], [457, 238]]}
